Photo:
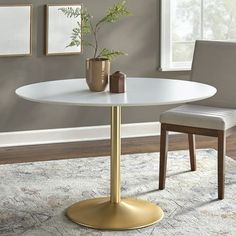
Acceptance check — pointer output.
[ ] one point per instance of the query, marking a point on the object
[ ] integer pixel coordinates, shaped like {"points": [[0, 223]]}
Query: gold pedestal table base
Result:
{"points": [[100, 213], [114, 213]]}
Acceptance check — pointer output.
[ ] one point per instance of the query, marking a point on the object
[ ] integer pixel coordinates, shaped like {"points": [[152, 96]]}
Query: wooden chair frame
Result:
{"points": [[192, 131]]}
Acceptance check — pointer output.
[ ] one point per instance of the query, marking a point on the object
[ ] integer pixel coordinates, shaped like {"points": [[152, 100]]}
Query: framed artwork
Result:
{"points": [[16, 30], [60, 26]]}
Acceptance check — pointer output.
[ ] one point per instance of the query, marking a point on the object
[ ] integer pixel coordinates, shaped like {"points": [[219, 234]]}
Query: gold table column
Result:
{"points": [[115, 154], [114, 213]]}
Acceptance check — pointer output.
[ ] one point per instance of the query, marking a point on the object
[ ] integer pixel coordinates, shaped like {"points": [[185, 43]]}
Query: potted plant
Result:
{"points": [[97, 67]]}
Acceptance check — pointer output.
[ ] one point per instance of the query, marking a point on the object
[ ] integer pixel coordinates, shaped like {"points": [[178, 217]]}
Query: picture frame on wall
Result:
{"points": [[16, 30], [59, 29]]}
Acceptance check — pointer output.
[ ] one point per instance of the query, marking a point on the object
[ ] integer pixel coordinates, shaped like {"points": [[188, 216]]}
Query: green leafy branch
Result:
{"points": [[86, 27], [115, 13], [110, 54]]}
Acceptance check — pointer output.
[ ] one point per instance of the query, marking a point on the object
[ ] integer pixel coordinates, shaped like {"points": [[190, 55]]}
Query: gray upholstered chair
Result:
{"points": [[214, 63]]}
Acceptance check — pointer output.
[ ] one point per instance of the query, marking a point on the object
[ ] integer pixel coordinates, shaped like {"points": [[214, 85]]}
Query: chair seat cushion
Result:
{"points": [[200, 116]]}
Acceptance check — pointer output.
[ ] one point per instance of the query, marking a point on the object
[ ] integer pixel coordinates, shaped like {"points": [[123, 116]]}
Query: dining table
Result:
{"points": [[115, 212]]}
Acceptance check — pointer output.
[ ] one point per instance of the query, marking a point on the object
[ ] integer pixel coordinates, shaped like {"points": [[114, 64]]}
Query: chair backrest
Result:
{"points": [[214, 63]]}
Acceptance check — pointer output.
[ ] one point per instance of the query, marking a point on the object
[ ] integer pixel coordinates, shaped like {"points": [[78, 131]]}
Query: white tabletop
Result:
{"points": [[140, 92]]}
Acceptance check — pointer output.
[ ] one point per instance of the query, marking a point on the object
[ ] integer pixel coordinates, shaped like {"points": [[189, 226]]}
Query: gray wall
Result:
{"points": [[138, 36]]}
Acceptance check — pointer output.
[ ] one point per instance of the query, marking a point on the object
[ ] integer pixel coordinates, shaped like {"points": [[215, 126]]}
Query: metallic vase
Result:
{"points": [[97, 73]]}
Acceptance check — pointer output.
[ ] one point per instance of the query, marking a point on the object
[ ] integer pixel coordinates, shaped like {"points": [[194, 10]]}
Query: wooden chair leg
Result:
{"points": [[163, 157], [221, 166], [192, 153]]}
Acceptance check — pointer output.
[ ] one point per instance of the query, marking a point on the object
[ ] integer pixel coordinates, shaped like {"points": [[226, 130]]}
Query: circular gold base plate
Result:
{"points": [[100, 213]]}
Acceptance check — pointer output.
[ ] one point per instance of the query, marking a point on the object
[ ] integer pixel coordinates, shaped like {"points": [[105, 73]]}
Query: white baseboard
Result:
{"points": [[37, 137]]}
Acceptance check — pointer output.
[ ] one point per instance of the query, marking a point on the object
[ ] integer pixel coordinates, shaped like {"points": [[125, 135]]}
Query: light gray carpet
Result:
{"points": [[34, 196]]}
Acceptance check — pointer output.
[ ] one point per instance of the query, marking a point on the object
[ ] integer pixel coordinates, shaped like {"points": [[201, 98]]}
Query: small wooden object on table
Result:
{"points": [[117, 82]]}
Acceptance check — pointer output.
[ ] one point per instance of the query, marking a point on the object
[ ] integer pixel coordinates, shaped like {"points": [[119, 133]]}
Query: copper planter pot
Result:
{"points": [[97, 73]]}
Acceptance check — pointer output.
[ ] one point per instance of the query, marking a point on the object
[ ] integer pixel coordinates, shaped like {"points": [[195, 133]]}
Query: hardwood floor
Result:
{"points": [[102, 148]]}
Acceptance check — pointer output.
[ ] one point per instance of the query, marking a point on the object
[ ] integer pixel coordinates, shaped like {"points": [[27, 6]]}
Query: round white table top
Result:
{"points": [[140, 92]]}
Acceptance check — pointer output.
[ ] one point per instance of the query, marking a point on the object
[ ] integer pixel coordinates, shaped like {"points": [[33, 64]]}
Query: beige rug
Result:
{"points": [[34, 196]]}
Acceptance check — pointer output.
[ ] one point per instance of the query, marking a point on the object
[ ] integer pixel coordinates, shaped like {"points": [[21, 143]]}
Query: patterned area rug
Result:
{"points": [[34, 196]]}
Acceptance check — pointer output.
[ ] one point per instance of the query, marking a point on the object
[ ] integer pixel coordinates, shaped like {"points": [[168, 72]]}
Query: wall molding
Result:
{"points": [[37, 137]]}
